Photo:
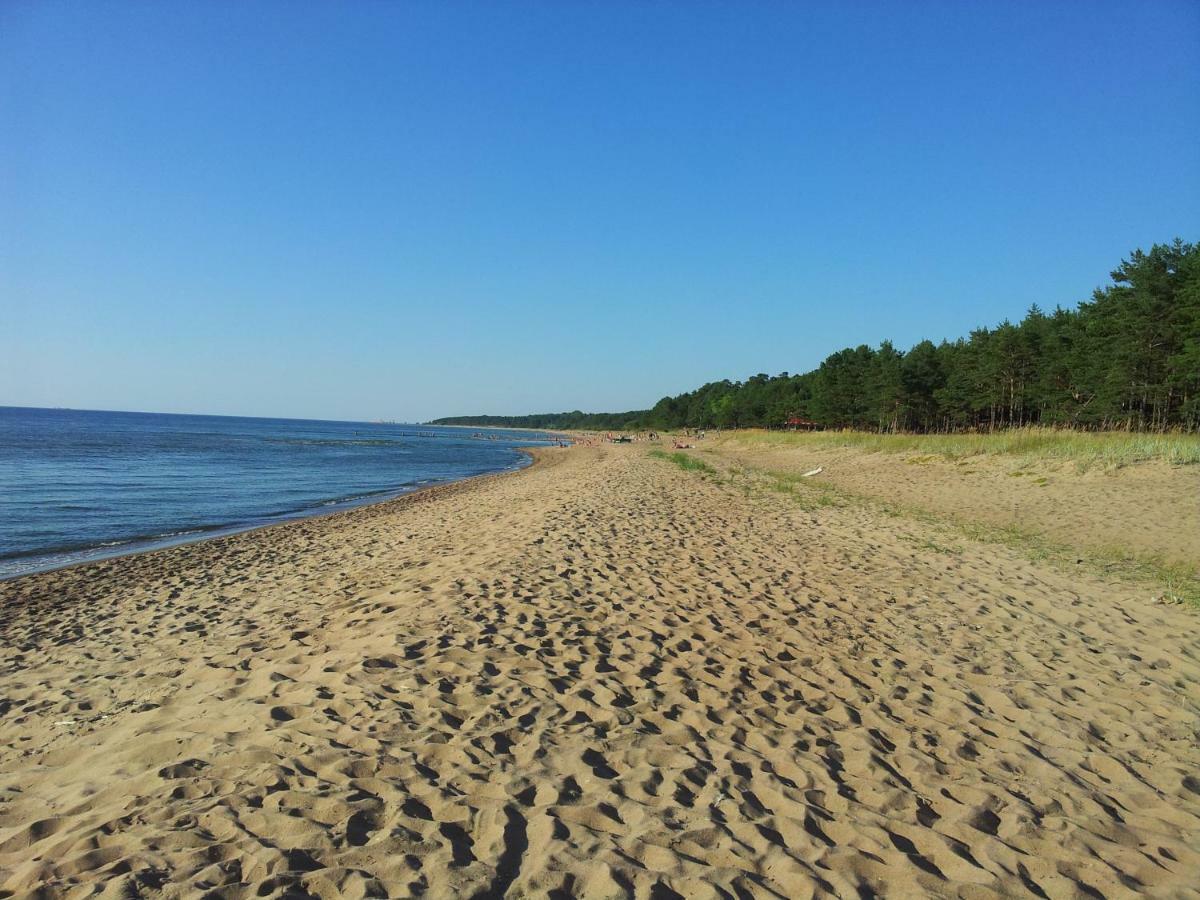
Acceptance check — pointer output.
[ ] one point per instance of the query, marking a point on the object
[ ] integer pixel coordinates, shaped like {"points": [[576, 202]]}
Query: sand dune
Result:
{"points": [[600, 677], [1149, 509]]}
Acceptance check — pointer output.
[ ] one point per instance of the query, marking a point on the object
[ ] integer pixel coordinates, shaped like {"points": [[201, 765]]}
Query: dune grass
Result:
{"points": [[685, 462], [804, 492], [1107, 449]]}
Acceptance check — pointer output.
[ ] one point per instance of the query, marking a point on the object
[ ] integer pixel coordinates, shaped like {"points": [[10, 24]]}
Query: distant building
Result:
{"points": [[798, 423]]}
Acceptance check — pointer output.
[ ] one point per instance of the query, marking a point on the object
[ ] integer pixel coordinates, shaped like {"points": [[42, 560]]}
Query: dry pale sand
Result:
{"points": [[601, 677]]}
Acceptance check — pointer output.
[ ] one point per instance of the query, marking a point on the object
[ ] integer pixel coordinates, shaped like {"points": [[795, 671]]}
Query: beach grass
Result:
{"points": [[685, 462], [1104, 449]]}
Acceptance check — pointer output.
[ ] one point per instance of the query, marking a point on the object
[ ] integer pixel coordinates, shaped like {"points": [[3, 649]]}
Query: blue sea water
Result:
{"points": [[78, 485]]}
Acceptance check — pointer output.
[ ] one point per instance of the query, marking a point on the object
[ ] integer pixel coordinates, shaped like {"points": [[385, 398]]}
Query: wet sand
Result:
{"points": [[598, 677]]}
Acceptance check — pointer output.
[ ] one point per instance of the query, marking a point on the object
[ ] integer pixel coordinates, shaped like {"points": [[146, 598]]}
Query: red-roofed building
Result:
{"points": [[797, 423]]}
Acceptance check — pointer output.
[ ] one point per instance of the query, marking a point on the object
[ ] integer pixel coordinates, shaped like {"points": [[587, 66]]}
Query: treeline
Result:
{"points": [[1128, 358]]}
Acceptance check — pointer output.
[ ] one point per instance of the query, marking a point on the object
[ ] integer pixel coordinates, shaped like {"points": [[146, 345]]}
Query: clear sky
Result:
{"points": [[404, 210]]}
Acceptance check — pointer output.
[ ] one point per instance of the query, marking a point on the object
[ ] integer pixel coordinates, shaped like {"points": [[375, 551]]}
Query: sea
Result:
{"points": [[79, 485]]}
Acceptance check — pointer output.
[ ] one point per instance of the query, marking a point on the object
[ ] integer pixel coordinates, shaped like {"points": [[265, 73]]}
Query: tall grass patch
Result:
{"points": [[685, 462], [1104, 449]]}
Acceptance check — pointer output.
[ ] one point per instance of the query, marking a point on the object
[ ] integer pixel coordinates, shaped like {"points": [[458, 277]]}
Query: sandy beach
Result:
{"points": [[599, 677]]}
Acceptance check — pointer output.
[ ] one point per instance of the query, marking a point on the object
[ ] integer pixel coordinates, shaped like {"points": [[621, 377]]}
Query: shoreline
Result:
{"points": [[221, 533]]}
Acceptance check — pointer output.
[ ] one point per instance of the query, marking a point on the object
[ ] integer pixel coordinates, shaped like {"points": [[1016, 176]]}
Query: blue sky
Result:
{"points": [[404, 210]]}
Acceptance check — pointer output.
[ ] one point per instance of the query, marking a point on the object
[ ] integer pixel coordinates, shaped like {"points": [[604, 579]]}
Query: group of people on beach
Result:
{"points": [[638, 437], [652, 437]]}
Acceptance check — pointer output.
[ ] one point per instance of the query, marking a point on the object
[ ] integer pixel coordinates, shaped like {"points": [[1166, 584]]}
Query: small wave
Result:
{"points": [[381, 494]]}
